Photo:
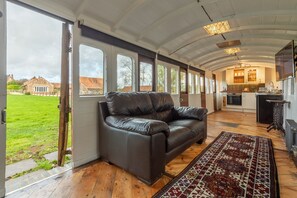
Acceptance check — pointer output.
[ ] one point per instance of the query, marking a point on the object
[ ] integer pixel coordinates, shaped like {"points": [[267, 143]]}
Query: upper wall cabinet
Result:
{"points": [[247, 75]]}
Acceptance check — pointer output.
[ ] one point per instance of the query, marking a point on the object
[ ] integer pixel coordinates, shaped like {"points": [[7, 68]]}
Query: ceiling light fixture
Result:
{"points": [[232, 51], [217, 28]]}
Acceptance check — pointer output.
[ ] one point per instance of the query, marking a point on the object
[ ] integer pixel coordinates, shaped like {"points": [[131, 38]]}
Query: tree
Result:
{"points": [[146, 72], [161, 78], [14, 86], [124, 71]]}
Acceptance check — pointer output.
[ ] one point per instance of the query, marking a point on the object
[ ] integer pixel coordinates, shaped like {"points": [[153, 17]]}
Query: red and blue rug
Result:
{"points": [[233, 165]]}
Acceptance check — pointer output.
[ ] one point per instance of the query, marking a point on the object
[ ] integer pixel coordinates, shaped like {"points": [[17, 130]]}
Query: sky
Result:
{"points": [[33, 44]]}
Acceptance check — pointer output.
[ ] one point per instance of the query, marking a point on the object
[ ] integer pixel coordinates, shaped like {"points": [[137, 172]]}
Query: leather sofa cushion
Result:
{"points": [[178, 135], [161, 101], [189, 113], [165, 116], [195, 126], [138, 125], [129, 104]]}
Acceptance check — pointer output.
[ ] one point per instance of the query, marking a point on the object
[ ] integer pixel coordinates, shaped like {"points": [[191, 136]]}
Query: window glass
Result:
{"points": [[183, 82], [161, 78], [197, 83], [210, 86], [174, 81], [91, 61], [146, 76], [202, 84], [40, 89], [213, 85], [124, 73], [206, 86], [191, 83]]}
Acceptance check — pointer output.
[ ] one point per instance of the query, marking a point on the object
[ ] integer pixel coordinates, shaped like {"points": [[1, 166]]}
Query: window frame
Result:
{"points": [[135, 72], [165, 76], [191, 78], [104, 49], [151, 61], [173, 67]]}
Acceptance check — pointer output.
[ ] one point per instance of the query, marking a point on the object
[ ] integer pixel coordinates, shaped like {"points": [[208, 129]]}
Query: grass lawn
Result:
{"points": [[32, 128]]}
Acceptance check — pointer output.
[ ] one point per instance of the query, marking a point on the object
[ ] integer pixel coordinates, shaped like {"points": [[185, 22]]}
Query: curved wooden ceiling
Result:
{"points": [[175, 27]]}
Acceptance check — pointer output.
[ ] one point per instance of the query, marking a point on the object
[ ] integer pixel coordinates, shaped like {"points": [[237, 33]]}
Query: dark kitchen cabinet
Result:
{"points": [[264, 108]]}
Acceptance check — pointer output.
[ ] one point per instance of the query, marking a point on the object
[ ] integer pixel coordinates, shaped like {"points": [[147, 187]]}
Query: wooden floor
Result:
{"points": [[99, 179]]}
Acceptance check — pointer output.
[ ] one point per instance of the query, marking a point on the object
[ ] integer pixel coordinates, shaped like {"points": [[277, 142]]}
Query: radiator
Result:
{"points": [[291, 135]]}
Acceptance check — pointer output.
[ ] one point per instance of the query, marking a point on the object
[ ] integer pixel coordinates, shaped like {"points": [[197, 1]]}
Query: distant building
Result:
{"points": [[142, 88], [38, 86], [90, 85], [10, 78]]}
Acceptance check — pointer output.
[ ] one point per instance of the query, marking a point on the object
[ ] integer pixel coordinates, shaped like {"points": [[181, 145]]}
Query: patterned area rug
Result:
{"points": [[233, 165]]}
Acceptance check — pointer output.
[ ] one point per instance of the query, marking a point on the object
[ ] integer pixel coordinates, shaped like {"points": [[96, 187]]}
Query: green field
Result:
{"points": [[32, 127]]}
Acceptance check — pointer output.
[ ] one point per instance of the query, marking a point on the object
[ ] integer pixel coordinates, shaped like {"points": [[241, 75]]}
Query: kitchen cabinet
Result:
{"points": [[265, 109], [249, 101], [248, 75]]}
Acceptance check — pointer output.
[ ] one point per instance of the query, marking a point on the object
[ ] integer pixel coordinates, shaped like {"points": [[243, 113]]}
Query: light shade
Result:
{"points": [[217, 28], [232, 50]]}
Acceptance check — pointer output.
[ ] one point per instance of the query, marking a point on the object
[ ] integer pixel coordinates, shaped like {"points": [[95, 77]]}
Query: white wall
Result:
{"points": [[221, 85], [195, 100], [270, 75], [85, 142], [85, 136], [175, 98], [290, 110]]}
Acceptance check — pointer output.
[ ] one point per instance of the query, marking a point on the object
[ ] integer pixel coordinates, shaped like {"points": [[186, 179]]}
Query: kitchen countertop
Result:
{"points": [[264, 93]]}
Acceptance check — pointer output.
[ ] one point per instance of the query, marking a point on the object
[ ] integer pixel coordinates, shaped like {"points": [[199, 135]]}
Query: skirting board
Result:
{"points": [[85, 160], [239, 110]]}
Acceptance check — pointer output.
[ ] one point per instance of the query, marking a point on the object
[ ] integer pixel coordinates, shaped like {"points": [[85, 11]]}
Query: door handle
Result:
{"points": [[181, 99], [1, 14], [3, 116]]}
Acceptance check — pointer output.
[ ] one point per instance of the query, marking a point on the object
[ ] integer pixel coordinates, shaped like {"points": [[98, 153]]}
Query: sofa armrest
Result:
{"points": [[138, 125], [190, 112]]}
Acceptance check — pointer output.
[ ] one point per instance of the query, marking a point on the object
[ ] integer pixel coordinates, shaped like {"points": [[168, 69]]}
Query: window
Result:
{"points": [[161, 78], [197, 83], [146, 76], [91, 62], [191, 83], [40, 89], [210, 84], [124, 73], [183, 81], [202, 84], [206, 86], [174, 81]]}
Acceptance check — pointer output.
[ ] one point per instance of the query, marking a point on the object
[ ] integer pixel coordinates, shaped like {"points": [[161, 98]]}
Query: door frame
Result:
{"points": [[215, 105], [202, 90], [184, 95], [2, 96]]}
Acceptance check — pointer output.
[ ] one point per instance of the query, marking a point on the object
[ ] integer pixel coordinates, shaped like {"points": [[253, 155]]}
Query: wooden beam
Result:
{"points": [[64, 95]]}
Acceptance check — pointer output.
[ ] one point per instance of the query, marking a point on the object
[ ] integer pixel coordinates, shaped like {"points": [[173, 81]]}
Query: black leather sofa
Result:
{"points": [[142, 131]]}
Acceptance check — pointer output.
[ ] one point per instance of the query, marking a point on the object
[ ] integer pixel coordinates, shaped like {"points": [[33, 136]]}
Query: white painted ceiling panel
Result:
{"points": [[175, 27]]}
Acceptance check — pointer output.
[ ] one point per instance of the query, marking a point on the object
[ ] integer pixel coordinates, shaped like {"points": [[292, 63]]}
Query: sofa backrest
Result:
{"points": [[151, 105], [163, 105], [129, 104]]}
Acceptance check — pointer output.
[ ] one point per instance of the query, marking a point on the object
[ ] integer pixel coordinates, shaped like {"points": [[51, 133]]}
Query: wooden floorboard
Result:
{"points": [[100, 179]]}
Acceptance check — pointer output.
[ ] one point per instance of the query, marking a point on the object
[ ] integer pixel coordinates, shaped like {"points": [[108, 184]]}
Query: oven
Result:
{"points": [[234, 99]]}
